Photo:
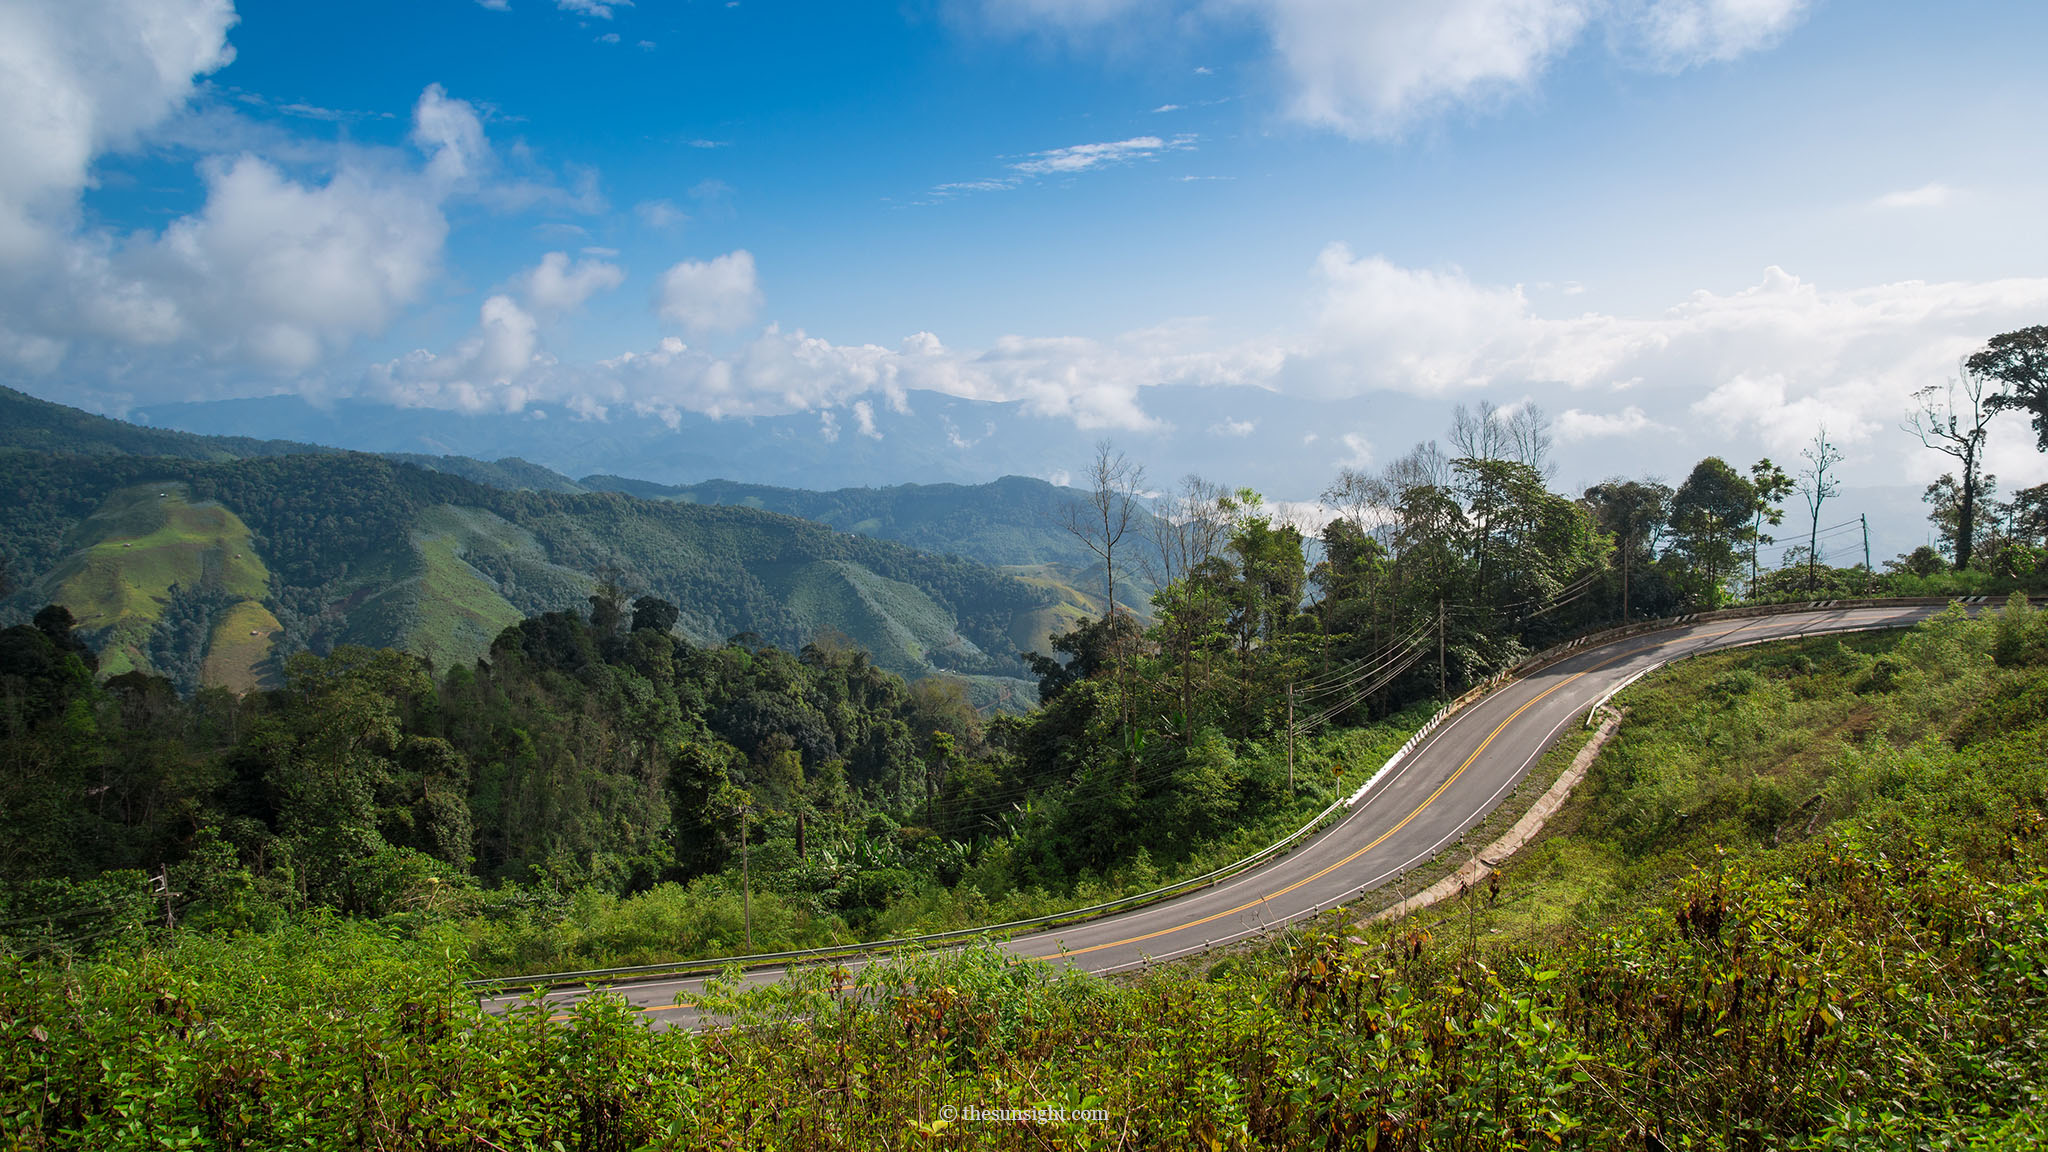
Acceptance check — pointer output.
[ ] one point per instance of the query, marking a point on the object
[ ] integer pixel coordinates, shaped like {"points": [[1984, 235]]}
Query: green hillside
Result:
{"points": [[1016, 523], [150, 560], [40, 426], [347, 548]]}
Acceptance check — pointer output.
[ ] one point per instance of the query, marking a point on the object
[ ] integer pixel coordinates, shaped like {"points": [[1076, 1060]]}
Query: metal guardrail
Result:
{"points": [[714, 965]]}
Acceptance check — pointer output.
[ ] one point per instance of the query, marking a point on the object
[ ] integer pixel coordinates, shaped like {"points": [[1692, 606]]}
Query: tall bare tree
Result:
{"points": [[1818, 487], [1951, 419], [1103, 518], [1529, 439], [1101, 521], [1481, 433], [1188, 529]]}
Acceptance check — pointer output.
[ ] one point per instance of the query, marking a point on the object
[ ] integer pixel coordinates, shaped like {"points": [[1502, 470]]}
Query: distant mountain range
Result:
{"points": [[209, 558]]}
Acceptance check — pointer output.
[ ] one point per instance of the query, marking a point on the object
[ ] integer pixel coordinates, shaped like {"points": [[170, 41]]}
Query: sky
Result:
{"points": [[1680, 227]]}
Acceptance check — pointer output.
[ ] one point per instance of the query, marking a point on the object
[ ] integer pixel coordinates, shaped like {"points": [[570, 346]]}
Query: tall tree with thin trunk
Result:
{"points": [[1631, 511], [1951, 419], [1818, 487], [1772, 486], [1101, 521], [1188, 532]]}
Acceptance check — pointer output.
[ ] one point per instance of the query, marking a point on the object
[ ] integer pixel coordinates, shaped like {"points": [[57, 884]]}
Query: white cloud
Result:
{"points": [[864, 415], [82, 78], [1925, 196], [495, 5], [297, 249], [1574, 425], [1235, 428], [1069, 161], [597, 9], [490, 371], [828, 426], [1357, 450], [555, 287], [720, 294], [282, 273], [1378, 67], [1373, 69], [660, 214], [452, 135], [1082, 157], [1685, 33]]}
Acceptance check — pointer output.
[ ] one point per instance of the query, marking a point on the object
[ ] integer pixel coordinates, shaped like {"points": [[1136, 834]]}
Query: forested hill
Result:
{"points": [[1012, 521], [38, 425], [210, 570]]}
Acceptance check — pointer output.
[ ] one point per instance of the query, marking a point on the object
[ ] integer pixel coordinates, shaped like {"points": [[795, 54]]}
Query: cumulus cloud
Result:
{"points": [[297, 249], [490, 371], [280, 272], [83, 78], [556, 287], [1234, 428], [1372, 69], [712, 295]]}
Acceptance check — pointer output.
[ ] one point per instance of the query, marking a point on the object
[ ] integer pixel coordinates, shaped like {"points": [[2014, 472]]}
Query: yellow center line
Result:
{"points": [[1382, 838]]}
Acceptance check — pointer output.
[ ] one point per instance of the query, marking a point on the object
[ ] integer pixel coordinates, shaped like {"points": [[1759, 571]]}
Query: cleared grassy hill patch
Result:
{"points": [[238, 652], [124, 560]]}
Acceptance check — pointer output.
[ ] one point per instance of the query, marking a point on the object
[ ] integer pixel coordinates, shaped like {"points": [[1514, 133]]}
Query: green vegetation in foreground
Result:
{"points": [[1877, 980]]}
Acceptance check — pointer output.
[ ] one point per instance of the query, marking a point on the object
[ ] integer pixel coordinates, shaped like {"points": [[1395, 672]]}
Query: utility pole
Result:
{"points": [[746, 881], [163, 883], [1290, 737], [1867, 573], [1627, 550], [1442, 673]]}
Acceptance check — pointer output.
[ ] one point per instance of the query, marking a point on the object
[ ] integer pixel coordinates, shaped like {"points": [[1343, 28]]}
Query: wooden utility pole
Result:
{"points": [[1442, 670], [746, 882], [1290, 737], [163, 881], [1865, 518]]}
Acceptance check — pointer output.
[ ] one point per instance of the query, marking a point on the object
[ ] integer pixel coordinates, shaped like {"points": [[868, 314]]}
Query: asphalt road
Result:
{"points": [[1445, 786]]}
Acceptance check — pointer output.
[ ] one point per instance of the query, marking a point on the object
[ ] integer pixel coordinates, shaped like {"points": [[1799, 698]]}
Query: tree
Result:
{"points": [[1710, 518], [1103, 519], [1818, 487], [1954, 425], [1772, 486], [1945, 501], [1187, 533], [1632, 512], [2018, 361], [1101, 523]]}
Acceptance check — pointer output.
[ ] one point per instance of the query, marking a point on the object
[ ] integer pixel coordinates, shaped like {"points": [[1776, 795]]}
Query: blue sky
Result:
{"points": [[1681, 227]]}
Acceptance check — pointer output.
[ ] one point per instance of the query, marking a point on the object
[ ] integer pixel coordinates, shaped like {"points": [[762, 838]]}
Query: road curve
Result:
{"points": [[1447, 784]]}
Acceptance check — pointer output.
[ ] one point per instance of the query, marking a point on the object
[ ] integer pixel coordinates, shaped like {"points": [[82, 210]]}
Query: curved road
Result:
{"points": [[1447, 784]]}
